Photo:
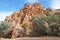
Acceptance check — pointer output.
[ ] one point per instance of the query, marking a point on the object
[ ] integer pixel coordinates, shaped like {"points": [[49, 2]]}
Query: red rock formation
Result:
{"points": [[20, 18]]}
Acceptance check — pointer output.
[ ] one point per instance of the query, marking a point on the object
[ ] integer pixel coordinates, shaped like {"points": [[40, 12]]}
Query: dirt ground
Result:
{"points": [[34, 38]]}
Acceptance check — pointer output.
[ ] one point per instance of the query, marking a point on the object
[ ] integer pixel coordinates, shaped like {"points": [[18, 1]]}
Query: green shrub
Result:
{"points": [[53, 18], [38, 26], [4, 28], [54, 24], [28, 29]]}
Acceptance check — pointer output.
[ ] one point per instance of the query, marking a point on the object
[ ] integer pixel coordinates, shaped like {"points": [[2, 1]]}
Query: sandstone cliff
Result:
{"points": [[22, 16], [19, 18]]}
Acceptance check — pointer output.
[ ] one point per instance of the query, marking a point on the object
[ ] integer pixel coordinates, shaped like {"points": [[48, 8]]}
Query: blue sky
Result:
{"points": [[7, 7], [13, 5]]}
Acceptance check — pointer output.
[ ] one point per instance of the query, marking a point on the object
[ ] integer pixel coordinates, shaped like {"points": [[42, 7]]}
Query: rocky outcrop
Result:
{"points": [[20, 18]]}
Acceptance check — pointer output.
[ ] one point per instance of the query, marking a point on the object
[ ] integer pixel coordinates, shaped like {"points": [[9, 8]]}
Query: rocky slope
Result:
{"points": [[22, 16], [19, 18]]}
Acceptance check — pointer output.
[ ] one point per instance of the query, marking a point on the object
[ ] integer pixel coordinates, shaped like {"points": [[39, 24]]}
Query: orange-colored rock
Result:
{"points": [[22, 16]]}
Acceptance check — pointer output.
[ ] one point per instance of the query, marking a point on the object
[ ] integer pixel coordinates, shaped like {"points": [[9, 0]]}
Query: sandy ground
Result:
{"points": [[34, 38]]}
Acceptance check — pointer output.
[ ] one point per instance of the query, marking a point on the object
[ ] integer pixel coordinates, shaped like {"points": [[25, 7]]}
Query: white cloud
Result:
{"points": [[4, 14], [55, 4], [31, 1]]}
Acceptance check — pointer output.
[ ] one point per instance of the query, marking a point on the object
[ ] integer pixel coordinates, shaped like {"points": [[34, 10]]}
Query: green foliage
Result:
{"points": [[54, 24], [4, 28], [39, 27], [53, 18], [28, 29], [28, 26]]}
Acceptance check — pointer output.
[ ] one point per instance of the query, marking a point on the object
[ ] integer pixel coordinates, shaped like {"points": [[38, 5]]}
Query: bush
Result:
{"points": [[53, 18], [28, 29], [42, 25], [4, 28], [54, 24], [39, 28], [54, 31]]}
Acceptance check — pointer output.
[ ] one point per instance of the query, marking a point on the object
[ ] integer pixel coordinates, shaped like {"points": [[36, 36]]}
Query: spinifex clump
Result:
{"points": [[4, 28]]}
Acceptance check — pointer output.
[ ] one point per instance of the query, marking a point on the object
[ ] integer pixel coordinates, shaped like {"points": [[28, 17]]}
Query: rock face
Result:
{"points": [[20, 18]]}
